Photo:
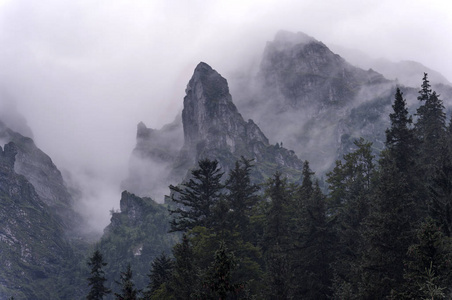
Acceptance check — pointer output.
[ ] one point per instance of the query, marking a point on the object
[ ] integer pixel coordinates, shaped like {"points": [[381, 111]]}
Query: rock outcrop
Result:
{"points": [[212, 128], [33, 245], [303, 71], [305, 95], [38, 168], [137, 234]]}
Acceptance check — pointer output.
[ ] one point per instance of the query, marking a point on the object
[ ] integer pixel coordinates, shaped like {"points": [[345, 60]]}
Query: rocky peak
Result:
{"points": [[285, 39], [210, 119], [298, 68]]}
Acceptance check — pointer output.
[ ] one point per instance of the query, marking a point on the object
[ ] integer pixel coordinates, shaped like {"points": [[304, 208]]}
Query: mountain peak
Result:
{"points": [[293, 38]]}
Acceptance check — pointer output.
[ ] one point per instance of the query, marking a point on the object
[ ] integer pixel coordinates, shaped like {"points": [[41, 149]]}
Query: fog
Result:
{"points": [[85, 73]]}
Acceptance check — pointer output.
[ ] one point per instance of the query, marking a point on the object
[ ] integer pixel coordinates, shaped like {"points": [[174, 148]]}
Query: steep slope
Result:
{"points": [[212, 128], [299, 68], [304, 94], [35, 255], [137, 234], [38, 168]]}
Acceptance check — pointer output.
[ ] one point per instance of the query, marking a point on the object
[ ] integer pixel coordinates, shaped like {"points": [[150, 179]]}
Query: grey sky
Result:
{"points": [[85, 72]]}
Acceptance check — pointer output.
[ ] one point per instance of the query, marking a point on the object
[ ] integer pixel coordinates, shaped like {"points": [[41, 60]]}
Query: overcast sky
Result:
{"points": [[84, 73]]}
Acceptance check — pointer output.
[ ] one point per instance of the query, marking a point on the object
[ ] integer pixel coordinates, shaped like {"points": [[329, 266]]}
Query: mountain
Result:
{"points": [[35, 254], [318, 103], [405, 72], [314, 100], [38, 168], [212, 128]]}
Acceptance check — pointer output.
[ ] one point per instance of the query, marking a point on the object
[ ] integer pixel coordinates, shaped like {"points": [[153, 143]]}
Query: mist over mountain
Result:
{"points": [[301, 102], [212, 128]]}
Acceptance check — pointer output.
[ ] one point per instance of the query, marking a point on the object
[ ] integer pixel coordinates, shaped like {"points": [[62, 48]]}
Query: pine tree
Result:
{"points": [[430, 128], [428, 266], [241, 197], [97, 277], [219, 281], [400, 138], [185, 277], [277, 238], [128, 290], [388, 232], [314, 253], [161, 272], [197, 197]]}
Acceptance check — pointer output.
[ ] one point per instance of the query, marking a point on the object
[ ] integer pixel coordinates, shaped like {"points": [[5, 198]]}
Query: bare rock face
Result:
{"points": [[212, 123], [38, 168], [302, 69], [212, 128], [32, 238]]}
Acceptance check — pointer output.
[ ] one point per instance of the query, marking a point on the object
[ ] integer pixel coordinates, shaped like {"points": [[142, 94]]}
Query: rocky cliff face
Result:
{"points": [[136, 234], [304, 95], [38, 168], [33, 247], [153, 158], [299, 69], [212, 128]]}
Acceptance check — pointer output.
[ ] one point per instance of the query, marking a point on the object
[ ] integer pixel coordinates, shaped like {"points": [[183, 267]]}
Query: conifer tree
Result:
{"points": [[400, 138], [388, 232], [430, 128], [277, 238], [97, 277], [128, 290], [313, 255], [185, 277], [161, 272], [241, 197], [219, 281], [429, 263], [197, 197]]}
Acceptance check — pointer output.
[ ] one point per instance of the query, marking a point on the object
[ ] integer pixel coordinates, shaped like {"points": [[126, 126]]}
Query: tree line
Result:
{"points": [[380, 230]]}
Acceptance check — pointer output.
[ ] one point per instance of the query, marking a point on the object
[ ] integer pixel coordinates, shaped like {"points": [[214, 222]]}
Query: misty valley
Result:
{"points": [[337, 186]]}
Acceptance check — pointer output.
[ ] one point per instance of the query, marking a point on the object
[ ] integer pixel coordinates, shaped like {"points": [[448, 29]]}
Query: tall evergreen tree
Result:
{"points": [[429, 262], [128, 290], [97, 277], [219, 279], [185, 277], [313, 255], [400, 138], [430, 128], [161, 272], [241, 196], [277, 238], [389, 231], [197, 197]]}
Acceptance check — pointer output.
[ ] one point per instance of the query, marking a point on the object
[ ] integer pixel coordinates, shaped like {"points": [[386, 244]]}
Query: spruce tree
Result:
{"points": [[428, 264], [160, 274], [241, 197], [314, 252], [196, 198], [97, 277], [185, 277], [128, 290], [220, 280], [400, 138], [388, 232], [430, 128], [277, 238]]}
